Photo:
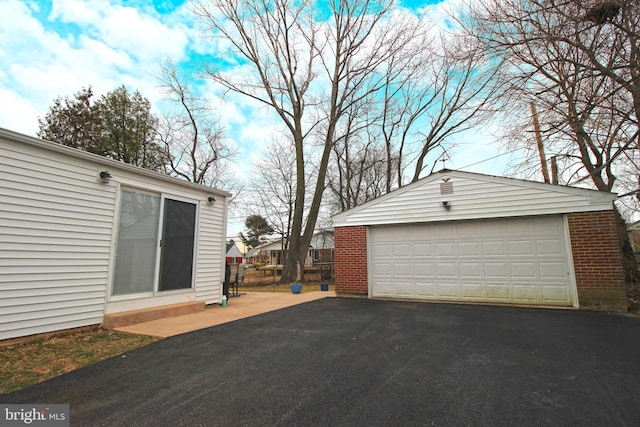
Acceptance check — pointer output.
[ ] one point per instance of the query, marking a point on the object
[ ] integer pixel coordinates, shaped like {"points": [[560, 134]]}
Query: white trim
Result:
{"points": [[572, 268], [369, 262]]}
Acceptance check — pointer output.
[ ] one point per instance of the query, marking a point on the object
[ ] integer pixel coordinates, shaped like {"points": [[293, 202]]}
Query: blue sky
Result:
{"points": [[51, 48]]}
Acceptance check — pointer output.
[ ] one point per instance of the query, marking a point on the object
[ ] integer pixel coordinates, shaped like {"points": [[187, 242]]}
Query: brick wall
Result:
{"points": [[597, 260], [350, 261]]}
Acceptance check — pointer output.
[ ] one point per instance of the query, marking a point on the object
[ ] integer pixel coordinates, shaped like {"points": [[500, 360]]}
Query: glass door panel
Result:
{"points": [[137, 241], [177, 247]]}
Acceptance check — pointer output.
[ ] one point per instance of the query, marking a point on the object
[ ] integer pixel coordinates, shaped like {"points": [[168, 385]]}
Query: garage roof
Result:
{"points": [[472, 196]]}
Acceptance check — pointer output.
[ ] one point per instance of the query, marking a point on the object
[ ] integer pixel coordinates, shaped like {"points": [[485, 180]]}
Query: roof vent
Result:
{"points": [[446, 187]]}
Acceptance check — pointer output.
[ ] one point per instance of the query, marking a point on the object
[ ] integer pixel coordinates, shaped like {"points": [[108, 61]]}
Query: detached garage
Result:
{"points": [[465, 237]]}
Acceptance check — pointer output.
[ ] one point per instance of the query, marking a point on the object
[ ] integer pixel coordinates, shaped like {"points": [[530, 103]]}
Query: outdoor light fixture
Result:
{"points": [[104, 176], [211, 200], [446, 204]]}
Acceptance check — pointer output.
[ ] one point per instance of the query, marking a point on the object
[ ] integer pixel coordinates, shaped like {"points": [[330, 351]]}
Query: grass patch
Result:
{"points": [[32, 361]]}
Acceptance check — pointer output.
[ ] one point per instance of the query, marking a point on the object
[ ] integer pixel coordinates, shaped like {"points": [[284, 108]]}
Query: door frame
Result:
{"points": [[156, 279]]}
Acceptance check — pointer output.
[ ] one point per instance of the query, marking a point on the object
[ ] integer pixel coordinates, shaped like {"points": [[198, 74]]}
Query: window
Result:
{"points": [[155, 244]]}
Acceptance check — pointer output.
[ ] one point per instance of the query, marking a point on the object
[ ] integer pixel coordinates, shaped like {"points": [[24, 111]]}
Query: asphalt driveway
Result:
{"points": [[357, 362]]}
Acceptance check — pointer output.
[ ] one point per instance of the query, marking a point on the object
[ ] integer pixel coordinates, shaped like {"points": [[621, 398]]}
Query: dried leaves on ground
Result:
{"points": [[32, 361]]}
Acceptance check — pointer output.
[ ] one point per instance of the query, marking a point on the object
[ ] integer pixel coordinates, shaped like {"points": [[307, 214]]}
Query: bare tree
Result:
{"points": [[285, 50], [578, 61], [432, 85], [273, 195], [360, 165], [460, 92], [193, 139]]}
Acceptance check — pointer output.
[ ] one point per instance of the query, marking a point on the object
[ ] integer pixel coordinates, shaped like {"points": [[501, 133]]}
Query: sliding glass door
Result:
{"points": [[153, 227]]}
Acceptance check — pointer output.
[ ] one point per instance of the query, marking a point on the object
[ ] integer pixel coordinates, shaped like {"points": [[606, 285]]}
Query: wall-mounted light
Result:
{"points": [[104, 177], [211, 200], [446, 204]]}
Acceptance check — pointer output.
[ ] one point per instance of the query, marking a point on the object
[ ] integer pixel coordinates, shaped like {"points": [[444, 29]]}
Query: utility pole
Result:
{"points": [[554, 170], [543, 159]]}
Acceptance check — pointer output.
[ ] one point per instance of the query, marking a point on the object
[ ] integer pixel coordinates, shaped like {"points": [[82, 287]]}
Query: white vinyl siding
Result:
{"points": [[474, 196], [516, 260], [55, 242], [57, 231], [210, 253]]}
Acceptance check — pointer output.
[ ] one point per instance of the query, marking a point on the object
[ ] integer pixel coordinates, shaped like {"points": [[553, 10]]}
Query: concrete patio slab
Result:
{"points": [[247, 305]]}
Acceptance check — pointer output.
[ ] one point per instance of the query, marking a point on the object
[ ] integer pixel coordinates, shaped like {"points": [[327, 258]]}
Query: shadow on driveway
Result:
{"points": [[355, 362]]}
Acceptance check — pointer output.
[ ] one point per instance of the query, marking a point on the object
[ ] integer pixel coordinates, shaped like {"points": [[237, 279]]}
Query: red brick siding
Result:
{"points": [[597, 260], [350, 260]]}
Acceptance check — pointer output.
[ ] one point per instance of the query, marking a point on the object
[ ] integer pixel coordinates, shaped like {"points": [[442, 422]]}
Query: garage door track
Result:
{"points": [[354, 362]]}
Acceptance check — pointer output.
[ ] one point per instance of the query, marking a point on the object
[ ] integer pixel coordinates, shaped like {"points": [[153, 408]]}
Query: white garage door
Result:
{"points": [[515, 260]]}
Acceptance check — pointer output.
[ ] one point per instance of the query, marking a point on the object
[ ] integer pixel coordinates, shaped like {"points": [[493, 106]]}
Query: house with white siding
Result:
{"points": [[83, 237]]}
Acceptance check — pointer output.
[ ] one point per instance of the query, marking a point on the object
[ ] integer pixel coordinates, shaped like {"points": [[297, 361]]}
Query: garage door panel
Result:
{"points": [[521, 247], [473, 291], [383, 270], [525, 270], [403, 289], [401, 250], [402, 270], [526, 292], [498, 292], [425, 289], [445, 230], [544, 225], [552, 270], [494, 248], [549, 247], [447, 269], [496, 270], [490, 228], [517, 227], [424, 270], [518, 260], [448, 290], [379, 252], [557, 292], [384, 288], [445, 249], [471, 270], [423, 250], [469, 249]]}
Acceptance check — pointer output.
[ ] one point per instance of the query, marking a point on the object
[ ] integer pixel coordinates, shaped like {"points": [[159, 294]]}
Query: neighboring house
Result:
{"points": [[322, 247], [83, 236], [272, 254], [234, 256], [465, 237]]}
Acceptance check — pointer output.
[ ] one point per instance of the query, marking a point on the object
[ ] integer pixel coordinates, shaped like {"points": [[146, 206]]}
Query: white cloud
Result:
{"points": [[77, 11], [20, 115], [80, 43], [123, 28]]}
